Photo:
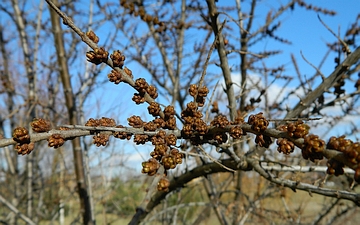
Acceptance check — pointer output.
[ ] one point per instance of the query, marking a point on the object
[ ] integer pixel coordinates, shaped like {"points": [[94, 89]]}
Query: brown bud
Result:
{"points": [[152, 91], [97, 56], [150, 167], [154, 109], [25, 148], [21, 135], [236, 132], [92, 36], [128, 72], [122, 135], [163, 185], [135, 121], [115, 77], [100, 139], [140, 139], [40, 125], [118, 58], [56, 140]]}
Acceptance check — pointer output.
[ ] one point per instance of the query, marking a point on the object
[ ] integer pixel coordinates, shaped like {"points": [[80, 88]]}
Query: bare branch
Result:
{"points": [[328, 82]]}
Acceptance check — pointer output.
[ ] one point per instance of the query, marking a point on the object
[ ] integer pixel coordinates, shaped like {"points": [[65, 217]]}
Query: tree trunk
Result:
{"points": [[71, 107]]}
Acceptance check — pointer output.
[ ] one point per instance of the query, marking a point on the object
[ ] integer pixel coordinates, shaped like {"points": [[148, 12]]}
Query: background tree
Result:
{"points": [[38, 94], [186, 50]]}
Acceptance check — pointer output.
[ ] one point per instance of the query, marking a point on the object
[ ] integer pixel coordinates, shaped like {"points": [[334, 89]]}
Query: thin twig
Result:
{"points": [[344, 67], [214, 160], [209, 54], [294, 185], [346, 46], [296, 119], [246, 53], [313, 66]]}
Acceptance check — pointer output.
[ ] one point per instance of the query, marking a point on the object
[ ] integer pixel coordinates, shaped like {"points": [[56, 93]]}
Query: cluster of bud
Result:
{"points": [[171, 160], [135, 121], [122, 135], [159, 151], [138, 98], [162, 152], [150, 167], [140, 139], [159, 138], [236, 132], [140, 11], [193, 121], [143, 87], [220, 121], [297, 129], [171, 139], [90, 34], [99, 55], [22, 137], [115, 77], [285, 146], [313, 147], [159, 122], [170, 120], [103, 122], [56, 141], [215, 107], [163, 184], [263, 140], [258, 122], [150, 126], [25, 148], [199, 94], [154, 109], [351, 151], [118, 59], [152, 91], [100, 139], [39, 125], [335, 167]]}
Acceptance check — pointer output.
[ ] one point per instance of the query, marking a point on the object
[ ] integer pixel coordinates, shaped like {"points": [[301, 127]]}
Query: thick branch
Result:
{"points": [[352, 59], [223, 58], [181, 181], [294, 185]]}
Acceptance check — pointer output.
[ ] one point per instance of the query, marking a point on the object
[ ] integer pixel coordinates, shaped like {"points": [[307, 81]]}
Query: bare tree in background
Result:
{"points": [[33, 90], [209, 92]]}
